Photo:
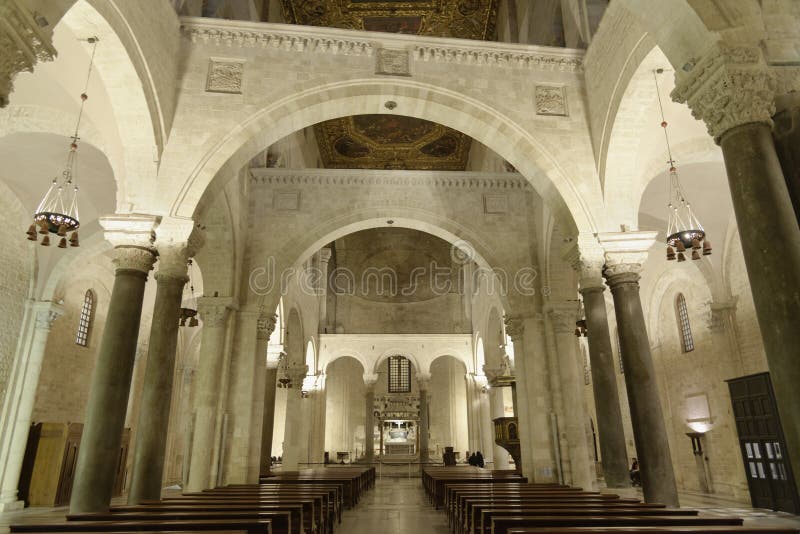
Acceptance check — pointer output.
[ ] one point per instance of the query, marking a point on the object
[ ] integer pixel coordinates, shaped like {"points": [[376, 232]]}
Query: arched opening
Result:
{"points": [[345, 410], [448, 407]]}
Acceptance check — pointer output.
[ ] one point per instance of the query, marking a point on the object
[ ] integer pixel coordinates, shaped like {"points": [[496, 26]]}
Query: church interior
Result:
{"points": [[400, 265]]}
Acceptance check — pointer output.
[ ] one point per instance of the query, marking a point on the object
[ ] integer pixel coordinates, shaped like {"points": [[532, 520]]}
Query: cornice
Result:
{"points": [[298, 39], [345, 177]]}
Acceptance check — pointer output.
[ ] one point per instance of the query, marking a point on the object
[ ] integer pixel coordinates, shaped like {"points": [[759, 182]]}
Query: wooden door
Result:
{"points": [[766, 462]]}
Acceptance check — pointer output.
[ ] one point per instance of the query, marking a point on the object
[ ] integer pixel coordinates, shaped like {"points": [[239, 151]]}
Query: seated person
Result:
{"points": [[636, 477]]}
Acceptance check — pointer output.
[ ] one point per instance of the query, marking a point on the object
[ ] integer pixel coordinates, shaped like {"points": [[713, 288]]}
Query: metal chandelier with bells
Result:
{"points": [[684, 231], [57, 213]]}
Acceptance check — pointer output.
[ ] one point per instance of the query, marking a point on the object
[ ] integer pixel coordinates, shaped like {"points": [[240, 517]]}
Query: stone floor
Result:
{"points": [[399, 506]]}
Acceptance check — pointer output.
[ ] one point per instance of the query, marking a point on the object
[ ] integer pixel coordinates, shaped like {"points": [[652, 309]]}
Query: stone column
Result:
{"points": [[295, 444], [111, 378], [613, 450], [156, 397], [20, 397], [213, 313], [574, 408], [485, 420], [534, 397], [424, 427], [733, 90], [625, 253], [322, 289], [266, 325], [369, 418], [497, 409]]}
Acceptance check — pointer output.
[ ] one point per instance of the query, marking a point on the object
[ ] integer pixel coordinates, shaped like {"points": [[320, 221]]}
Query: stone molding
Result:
{"points": [[729, 86], [130, 230], [214, 310], [324, 254], [135, 258], [265, 325], [299, 39], [344, 177], [563, 319], [23, 44]]}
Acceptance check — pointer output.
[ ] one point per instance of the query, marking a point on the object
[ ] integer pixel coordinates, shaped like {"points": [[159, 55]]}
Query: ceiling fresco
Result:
{"points": [[391, 141]]}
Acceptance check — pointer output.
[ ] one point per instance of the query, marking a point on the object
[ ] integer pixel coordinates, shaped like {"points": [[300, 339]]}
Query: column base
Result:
{"points": [[10, 506]]}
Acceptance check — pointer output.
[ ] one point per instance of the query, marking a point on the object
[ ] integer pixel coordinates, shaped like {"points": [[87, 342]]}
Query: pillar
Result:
{"points": [[369, 418], [485, 420], [266, 325], [575, 419], [533, 395], [295, 442], [625, 253], [322, 289], [111, 378], [213, 313], [154, 410], [588, 259], [424, 426], [733, 90], [20, 397], [497, 409]]}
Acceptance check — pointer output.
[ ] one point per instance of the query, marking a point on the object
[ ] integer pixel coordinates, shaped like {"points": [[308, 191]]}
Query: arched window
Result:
{"points": [[683, 323], [85, 321], [399, 375], [619, 352]]}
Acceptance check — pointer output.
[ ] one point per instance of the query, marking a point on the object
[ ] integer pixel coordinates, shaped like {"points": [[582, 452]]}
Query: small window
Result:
{"points": [[587, 371], [85, 321], [619, 352], [399, 375], [683, 323]]}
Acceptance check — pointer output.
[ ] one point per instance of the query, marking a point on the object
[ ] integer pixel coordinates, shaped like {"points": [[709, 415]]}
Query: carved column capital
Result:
{"points": [[214, 310], [369, 381], [132, 236], [515, 327], [46, 313], [23, 44], [139, 259], [176, 240], [324, 255], [728, 87], [587, 257], [625, 253], [265, 325]]}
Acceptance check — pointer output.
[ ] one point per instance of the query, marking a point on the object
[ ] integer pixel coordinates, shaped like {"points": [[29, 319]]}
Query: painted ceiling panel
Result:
{"points": [[391, 141]]}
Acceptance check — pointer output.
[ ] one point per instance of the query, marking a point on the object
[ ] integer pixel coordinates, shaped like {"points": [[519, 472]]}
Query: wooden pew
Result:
{"points": [[249, 526], [485, 515], [501, 524], [285, 519], [654, 530]]}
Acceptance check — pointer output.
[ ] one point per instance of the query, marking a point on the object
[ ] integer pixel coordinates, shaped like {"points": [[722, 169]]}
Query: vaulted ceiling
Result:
{"points": [[390, 141]]}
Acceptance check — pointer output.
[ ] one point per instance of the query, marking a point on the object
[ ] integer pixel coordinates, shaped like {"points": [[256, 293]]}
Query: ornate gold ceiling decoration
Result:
{"points": [[391, 141], [465, 19]]}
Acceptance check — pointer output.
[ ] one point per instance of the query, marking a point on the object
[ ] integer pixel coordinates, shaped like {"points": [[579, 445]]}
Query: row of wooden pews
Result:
{"points": [[300, 502], [497, 503]]}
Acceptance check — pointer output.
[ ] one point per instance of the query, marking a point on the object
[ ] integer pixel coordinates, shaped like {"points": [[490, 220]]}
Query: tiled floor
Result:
{"points": [[399, 506]]}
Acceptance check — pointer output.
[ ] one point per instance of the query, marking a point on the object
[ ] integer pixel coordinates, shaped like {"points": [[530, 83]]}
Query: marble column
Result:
{"points": [[20, 397], [625, 253], [515, 329], [369, 418], [485, 420], [613, 449], [213, 313], [111, 378], [322, 289], [733, 90], [575, 419], [156, 396], [423, 380], [266, 325]]}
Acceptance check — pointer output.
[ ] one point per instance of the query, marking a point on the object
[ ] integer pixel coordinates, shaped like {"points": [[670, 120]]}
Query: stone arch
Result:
{"points": [[356, 220], [343, 353], [454, 352], [574, 204]]}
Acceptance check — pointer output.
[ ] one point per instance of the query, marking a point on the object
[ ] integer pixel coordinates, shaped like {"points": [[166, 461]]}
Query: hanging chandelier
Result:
{"points": [[190, 310], [57, 213], [684, 231]]}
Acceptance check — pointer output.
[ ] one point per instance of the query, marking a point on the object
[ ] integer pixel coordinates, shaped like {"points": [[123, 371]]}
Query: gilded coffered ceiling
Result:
{"points": [[391, 141]]}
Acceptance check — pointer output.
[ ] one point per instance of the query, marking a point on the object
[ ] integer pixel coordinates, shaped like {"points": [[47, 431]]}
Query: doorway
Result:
{"points": [[764, 453]]}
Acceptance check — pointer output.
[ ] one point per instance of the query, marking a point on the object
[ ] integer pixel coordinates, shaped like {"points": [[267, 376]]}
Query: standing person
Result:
{"points": [[636, 477]]}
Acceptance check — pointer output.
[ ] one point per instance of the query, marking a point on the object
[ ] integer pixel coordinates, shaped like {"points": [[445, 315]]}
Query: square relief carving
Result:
{"points": [[225, 76], [392, 62], [551, 100], [286, 201], [495, 204]]}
